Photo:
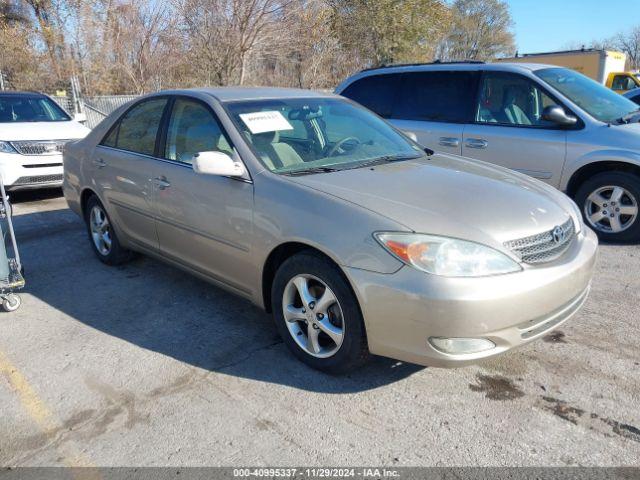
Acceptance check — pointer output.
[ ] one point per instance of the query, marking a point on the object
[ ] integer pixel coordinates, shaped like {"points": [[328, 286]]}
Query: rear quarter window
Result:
{"points": [[376, 92]]}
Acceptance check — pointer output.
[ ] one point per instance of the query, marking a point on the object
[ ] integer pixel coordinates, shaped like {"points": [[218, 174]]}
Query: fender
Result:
{"points": [[596, 156]]}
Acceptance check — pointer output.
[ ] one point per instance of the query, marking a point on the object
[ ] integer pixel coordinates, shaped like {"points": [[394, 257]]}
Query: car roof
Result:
{"points": [[444, 66], [232, 94]]}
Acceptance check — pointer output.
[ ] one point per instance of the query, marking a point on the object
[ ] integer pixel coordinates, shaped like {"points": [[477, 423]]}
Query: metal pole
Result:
{"points": [[1, 80]]}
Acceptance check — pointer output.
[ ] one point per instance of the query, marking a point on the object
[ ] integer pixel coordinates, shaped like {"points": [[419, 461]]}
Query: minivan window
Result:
{"points": [[136, 131], [339, 134], [437, 96], [376, 92], [510, 99], [193, 129], [17, 108], [598, 101]]}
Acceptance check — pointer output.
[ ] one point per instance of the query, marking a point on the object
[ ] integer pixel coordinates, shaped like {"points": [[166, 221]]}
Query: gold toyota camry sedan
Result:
{"points": [[357, 239]]}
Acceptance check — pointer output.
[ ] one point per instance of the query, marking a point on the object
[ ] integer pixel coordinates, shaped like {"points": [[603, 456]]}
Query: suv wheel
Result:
{"points": [[317, 314], [610, 204], [103, 237]]}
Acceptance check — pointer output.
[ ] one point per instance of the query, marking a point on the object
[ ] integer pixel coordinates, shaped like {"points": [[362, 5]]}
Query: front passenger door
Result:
{"points": [[204, 222], [509, 130]]}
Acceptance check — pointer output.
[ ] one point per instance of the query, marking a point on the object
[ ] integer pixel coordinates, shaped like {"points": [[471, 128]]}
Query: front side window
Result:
{"points": [[623, 82], [437, 96], [597, 100], [136, 131], [509, 99], [336, 134], [193, 129], [16, 109]]}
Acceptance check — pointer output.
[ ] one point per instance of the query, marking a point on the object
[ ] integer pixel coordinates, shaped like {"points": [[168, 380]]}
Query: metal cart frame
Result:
{"points": [[15, 280]]}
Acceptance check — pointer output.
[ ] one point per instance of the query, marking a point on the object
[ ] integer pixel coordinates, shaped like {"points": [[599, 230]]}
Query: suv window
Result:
{"points": [[137, 129], [437, 96], [193, 129], [376, 92], [510, 99]]}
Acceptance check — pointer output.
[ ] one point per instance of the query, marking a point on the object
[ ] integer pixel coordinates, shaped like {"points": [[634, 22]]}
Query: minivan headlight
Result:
{"points": [[5, 147], [445, 256]]}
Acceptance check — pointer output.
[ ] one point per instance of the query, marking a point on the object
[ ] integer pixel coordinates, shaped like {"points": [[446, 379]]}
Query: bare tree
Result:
{"points": [[481, 30]]}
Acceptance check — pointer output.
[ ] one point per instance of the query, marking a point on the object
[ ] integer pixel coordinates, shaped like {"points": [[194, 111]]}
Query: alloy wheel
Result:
{"points": [[100, 230], [313, 315], [611, 209]]}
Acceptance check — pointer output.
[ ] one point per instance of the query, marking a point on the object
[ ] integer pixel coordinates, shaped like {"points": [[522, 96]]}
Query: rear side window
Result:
{"points": [[437, 96], [376, 92], [136, 131]]}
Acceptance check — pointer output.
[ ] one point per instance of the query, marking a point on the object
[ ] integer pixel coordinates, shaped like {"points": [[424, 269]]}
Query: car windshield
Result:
{"points": [[310, 135], [16, 109], [598, 101]]}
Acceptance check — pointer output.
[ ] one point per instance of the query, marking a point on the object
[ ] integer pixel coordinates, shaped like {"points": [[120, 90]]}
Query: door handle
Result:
{"points": [[449, 141], [100, 163], [476, 143], [162, 183]]}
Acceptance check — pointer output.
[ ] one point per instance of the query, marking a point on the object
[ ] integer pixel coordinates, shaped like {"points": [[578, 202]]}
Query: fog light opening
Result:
{"points": [[458, 346]]}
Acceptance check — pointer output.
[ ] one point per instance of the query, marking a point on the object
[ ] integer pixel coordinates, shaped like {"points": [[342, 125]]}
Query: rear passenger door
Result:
{"points": [[435, 105]]}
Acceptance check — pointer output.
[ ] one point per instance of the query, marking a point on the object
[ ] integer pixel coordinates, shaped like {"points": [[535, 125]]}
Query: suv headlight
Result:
{"points": [[5, 147], [445, 256]]}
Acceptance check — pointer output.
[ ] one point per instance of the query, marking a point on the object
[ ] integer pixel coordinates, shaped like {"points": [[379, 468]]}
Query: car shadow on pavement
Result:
{"points": [[162, 309]]}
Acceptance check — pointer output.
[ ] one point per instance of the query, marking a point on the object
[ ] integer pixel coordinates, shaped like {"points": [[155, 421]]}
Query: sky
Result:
{"points": [[547, 25]]}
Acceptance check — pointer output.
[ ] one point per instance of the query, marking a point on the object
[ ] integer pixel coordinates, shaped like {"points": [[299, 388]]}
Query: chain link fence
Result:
{"points": [[95, 108]]}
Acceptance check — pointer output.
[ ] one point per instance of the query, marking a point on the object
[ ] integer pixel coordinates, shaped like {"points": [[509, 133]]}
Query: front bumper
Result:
{"points": [[31, 171], [403, 310]]}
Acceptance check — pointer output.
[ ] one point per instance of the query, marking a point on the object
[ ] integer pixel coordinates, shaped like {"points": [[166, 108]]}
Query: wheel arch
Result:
{"points": [[85, 195], [281, 253], [589, 170]]}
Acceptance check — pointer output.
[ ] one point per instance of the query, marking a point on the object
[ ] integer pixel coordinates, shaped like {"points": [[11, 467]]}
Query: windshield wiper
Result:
{"points": [[629, 117], [385, 159], [311, 171]]}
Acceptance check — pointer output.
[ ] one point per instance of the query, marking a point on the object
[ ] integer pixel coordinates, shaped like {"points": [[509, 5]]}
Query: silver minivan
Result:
{"points": [[551, 123]]}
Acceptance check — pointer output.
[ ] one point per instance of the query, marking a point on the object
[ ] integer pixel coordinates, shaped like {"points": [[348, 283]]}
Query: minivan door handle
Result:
{"points": [[162, 183], [476, 143], [449, 141], [100, 163]]}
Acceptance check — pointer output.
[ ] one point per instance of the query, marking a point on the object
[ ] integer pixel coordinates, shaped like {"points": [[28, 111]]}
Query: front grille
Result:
{"points": [[38, 179], [543, 247], [39, 147]]}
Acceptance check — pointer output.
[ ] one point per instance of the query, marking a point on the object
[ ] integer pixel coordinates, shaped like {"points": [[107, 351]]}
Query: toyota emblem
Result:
{"points": [[558, 234]]}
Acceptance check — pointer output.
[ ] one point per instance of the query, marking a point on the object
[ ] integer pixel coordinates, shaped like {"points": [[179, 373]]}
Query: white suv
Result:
{"points": [[551, 123], [33, 131]]}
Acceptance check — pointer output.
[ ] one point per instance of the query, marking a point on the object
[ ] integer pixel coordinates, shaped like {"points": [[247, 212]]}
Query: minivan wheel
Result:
{"points": [[610, 205], [103, 237], [317, 314]]}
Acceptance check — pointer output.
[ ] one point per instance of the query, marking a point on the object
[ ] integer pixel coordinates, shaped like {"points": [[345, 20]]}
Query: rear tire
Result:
{"points": [[603, 201], [332, 311], [103, 238]]}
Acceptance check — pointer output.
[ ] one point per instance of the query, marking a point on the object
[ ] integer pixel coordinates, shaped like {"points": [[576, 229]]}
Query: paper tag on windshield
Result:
{"points": [[260, 122]]}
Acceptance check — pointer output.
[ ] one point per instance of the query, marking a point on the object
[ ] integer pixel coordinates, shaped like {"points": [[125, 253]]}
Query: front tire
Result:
{"points": [[317, 314], [610, 205], [103, 238]]}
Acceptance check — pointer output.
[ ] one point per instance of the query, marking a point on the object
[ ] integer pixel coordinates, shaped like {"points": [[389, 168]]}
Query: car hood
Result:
{"points": [[70, 130], [451, 196]]}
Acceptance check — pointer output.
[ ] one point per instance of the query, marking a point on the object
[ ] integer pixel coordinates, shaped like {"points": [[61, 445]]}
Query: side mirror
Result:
{"points": [[80, 117], [217, 163], [556, 114]]}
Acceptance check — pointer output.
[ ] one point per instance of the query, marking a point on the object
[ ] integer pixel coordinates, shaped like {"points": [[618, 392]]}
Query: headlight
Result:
{"points": [[445, 256], [577, 216], [5, 147]]}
